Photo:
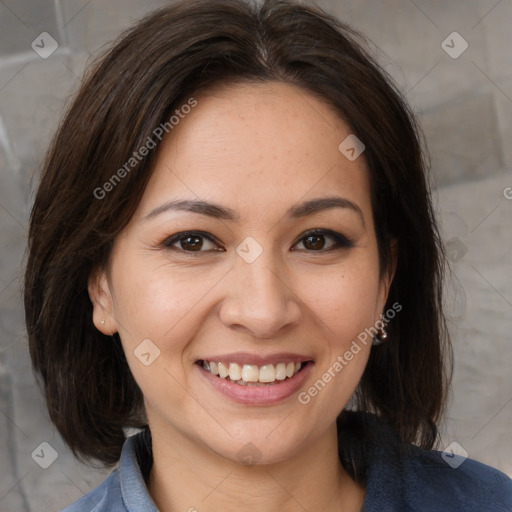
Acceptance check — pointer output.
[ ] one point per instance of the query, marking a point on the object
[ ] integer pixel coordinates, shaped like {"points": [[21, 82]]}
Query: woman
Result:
{"points": [[233, 248]]}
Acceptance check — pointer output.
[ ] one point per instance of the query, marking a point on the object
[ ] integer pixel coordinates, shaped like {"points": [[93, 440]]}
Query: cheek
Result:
{"points": [[167, 306], [156, 302], [156, 309], [343, 305], [344, 299]]}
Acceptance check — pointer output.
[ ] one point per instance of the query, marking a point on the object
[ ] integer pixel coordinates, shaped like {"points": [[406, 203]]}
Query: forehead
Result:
{"points": [[256, 147]]}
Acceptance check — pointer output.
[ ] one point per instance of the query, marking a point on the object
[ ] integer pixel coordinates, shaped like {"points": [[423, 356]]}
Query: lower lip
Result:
{"points": [[258, 395]]}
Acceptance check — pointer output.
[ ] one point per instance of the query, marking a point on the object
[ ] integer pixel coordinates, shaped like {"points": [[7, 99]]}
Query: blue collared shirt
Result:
{"points": [[397, 480]]}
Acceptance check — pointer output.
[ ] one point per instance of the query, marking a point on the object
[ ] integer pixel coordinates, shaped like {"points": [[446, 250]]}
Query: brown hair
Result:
{"points": [[135, 87]]}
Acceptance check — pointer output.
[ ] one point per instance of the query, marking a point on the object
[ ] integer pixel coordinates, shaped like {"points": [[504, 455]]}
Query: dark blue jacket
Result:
{"points": [[397, 477]]}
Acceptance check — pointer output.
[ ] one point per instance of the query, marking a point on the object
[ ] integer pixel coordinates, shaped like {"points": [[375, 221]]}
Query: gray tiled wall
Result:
{"points": [[465, 106]]}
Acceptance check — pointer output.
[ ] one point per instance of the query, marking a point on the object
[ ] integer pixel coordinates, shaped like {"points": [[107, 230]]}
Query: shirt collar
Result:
{"points": [[133, 487]]}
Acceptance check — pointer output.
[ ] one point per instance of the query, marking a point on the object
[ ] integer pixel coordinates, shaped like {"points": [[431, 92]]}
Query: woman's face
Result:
{"points": [[255, 290]]}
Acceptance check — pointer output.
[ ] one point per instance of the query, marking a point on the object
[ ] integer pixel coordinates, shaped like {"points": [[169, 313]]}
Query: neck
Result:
{"points": [[189, 477]]}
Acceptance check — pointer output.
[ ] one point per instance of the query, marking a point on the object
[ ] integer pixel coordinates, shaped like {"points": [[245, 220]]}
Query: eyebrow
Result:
{"points": [[221, 212]]}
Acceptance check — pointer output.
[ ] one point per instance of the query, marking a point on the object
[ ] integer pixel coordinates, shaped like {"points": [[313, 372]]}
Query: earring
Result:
{"points": [[102, 321], [381, 337]]}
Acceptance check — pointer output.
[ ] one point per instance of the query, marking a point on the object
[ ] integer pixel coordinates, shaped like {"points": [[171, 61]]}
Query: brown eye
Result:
{"points": [[314, 242], [318, 241], [191, 242]]}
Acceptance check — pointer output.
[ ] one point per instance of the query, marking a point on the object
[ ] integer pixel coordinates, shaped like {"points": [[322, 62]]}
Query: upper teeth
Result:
{"points": [[252, 372]]}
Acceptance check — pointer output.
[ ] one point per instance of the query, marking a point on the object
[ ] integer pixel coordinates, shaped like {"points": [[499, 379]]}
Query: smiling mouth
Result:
{"points": [[251, 374]]}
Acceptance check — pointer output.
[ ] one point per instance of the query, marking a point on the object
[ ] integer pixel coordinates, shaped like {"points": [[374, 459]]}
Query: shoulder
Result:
{"points": [[106, 497], [125, 488], [399, 476], [454, 483]]}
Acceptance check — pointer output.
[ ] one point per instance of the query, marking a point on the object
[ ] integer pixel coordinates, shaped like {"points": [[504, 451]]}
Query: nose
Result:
{"points": [[259, 299]]}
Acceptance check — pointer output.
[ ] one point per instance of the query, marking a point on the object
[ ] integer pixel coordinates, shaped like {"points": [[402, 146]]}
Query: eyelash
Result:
{"points": [[340, 241]]}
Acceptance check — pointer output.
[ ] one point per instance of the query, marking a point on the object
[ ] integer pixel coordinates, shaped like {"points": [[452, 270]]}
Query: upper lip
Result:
{"points": [[257, 359]]}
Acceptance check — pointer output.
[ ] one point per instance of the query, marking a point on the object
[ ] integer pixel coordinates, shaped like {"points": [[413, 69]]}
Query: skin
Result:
{"points": [[257, 149]]}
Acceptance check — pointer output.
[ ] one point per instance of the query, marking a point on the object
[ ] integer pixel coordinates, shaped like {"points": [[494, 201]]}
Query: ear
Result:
{"points": [[388, 276], [103, 305]]}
